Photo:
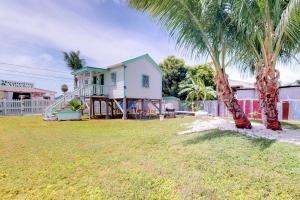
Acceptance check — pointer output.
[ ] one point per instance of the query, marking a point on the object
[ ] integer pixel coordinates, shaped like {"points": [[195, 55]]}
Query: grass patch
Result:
{"points": [[285, 124], [115, 159]]}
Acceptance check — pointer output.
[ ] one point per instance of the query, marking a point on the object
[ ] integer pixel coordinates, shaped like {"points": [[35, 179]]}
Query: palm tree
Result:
{"points": [[202, 28], [268, 32], [196, 90], [64, 88], [73, 60]]}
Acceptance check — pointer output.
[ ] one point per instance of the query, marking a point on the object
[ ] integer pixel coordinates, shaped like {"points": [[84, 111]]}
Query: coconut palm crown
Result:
{"points": [[201, 28], [268, 31], [73, 60]]}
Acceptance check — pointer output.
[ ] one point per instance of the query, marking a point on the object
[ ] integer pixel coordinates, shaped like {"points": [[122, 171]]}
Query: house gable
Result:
{"points": [[145, 56]]}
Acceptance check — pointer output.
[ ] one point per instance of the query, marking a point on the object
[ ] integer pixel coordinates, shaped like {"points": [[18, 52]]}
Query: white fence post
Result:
{"points": [[4, 106]]}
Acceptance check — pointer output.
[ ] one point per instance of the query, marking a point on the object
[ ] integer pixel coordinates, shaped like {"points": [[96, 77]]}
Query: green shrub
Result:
{"points": [[75, 105]]}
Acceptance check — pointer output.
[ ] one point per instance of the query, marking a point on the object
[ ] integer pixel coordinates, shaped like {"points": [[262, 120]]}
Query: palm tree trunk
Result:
{"points": [[267, 91], [227, 96], [260, 88]]}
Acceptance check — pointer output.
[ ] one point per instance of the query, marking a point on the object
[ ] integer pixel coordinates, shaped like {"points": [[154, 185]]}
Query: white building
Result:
{"points": [[291, 92], [124, 86], [16, 90]]}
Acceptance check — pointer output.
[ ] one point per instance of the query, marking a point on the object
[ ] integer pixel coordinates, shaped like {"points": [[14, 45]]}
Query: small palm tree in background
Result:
{"points": [[201, 28], [64, 88], [196, 90], [73, 60]]}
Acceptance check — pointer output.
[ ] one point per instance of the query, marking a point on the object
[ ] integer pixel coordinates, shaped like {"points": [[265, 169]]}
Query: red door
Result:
{"points": [[285, 110]]}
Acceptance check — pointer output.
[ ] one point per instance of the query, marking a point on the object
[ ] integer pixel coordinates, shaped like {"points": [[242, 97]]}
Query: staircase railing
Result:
{"points": [[61, 102], [87, 90]]}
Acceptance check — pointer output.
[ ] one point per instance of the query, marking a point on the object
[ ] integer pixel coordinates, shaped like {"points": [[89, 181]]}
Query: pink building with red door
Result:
{"points": [[288, 105]]}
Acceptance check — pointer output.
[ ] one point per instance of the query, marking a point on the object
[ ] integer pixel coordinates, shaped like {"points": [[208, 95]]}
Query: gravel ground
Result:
{"points": [[258, 130]]}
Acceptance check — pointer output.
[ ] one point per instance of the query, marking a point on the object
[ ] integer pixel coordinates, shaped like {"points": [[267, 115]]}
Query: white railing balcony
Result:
{"points": [[94, 90]]}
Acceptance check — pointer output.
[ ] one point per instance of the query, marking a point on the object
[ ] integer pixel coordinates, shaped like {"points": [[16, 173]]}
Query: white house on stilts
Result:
{"points": [[125, 87]]}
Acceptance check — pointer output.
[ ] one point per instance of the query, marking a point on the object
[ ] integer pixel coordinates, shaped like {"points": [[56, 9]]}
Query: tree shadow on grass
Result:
{"points": [[261, 143]]}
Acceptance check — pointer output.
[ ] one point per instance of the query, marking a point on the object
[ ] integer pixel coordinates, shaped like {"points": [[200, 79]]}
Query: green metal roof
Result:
{"points": [[171, 97], [148, 58], [88, 69]]}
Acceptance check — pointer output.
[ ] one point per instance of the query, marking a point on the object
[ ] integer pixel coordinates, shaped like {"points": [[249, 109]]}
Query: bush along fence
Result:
{"points": [[23, 107], [287, 110]]}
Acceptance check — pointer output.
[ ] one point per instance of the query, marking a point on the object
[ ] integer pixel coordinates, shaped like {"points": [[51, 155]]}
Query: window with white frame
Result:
{"points": [[113, 77], [145, 81]]}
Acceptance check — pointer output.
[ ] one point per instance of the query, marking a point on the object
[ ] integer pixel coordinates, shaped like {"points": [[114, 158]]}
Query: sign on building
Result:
{"points": [[15, 84]]}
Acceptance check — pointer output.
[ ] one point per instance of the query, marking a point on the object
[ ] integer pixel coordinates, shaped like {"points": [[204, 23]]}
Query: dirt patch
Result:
{"points": [[258, 130]]}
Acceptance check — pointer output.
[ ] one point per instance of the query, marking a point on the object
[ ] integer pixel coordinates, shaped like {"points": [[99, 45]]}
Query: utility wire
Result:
{"points": [[51, 76], [33, 76], [31, 67]]}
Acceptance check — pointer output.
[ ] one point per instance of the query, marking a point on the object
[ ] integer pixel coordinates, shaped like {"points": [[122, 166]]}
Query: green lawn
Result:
{"points": [[115, 159]]}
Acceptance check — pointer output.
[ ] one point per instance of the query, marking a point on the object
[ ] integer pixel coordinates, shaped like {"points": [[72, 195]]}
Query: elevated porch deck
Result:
{"points": [[93, 90]]}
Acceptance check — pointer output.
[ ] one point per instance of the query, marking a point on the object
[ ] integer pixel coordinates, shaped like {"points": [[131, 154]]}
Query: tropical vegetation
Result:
{"points": [[175, 71], [75, 105], [268, 31], [202, 28], [73, 60], [196, 90], [204, 72]]}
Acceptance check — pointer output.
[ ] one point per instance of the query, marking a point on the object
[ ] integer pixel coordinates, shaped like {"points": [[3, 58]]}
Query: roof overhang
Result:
{"points": [[25, 90], [89, 69], [146, 56]]}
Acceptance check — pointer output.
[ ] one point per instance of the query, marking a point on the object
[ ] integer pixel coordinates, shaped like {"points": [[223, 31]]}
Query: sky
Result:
{"points": [[34, 33]]}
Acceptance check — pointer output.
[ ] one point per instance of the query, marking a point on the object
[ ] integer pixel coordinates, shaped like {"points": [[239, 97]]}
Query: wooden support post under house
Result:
{"points": [[93, 108], [143, 105], [100, 107], [107, 109], [112, 108], [90, 110], [160, 106], [124, 108]]}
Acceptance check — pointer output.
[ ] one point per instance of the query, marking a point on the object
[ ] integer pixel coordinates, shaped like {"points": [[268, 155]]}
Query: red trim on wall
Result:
{"points": [[256, 108]]}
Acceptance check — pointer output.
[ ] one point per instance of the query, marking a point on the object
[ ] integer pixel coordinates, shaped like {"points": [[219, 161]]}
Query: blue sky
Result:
{"points": [[33, 33]]}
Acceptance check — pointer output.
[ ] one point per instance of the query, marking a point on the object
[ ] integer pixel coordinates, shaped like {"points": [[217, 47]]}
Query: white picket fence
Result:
{"points": [[23, 107]]}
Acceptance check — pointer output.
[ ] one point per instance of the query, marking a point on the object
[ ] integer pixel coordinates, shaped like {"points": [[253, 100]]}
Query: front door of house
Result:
{"points": [[101, 79], [101, 84], [94, 86], [95, 80]]}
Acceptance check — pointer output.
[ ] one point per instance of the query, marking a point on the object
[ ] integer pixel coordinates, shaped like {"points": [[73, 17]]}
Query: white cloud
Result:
{"points": [[34, 34]]}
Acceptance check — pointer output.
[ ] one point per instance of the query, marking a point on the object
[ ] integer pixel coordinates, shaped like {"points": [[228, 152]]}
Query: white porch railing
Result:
{"points": [[93, 89]]}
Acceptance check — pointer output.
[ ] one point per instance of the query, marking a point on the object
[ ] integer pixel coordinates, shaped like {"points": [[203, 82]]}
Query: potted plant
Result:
{"points": [[74, 112]]}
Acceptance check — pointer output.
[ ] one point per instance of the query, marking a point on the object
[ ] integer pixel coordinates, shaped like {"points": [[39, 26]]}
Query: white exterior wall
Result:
{"points": [[133, 78], [115, 91], [246, 94], [289, 93], [285, 93]]}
